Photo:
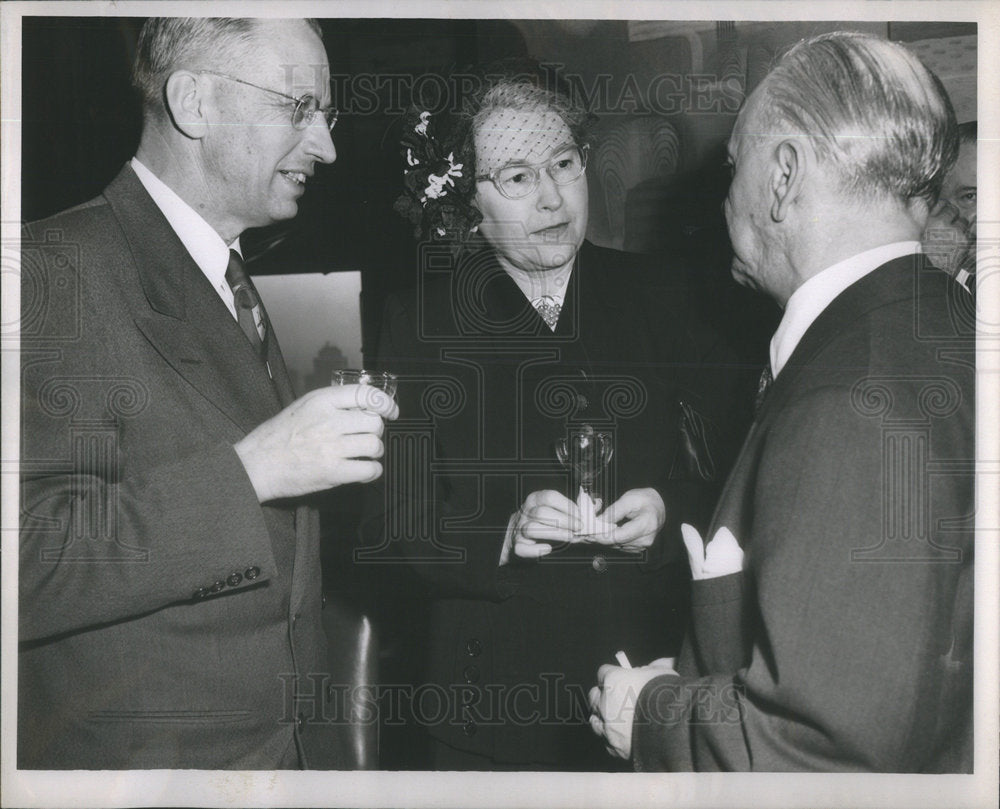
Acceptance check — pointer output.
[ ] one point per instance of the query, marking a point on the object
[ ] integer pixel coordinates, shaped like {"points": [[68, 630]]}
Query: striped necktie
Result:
{"points": [[250, 312]]}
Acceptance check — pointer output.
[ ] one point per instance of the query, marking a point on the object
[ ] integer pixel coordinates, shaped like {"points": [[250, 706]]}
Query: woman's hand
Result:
{"points": [[641, 513], [545, 517]]}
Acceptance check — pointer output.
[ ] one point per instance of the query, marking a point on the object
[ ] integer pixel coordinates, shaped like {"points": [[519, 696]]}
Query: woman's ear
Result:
{"points": [[787, 175], [187, 103]]}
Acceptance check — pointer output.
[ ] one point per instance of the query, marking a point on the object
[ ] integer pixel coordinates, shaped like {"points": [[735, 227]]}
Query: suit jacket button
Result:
{"points": [[234, 579], [300, 721], [474, 648], [219, 586], [599, 563], [201, 592], [252, 572], [471, 674], [469, 728]]}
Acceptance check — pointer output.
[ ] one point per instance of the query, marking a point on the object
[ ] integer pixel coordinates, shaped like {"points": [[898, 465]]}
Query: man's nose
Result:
{"points": [[319, 141]]}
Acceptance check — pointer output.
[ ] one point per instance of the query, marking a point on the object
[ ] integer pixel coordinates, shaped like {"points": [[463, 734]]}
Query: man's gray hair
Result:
{"points": [[167, 44], [873, 111]]}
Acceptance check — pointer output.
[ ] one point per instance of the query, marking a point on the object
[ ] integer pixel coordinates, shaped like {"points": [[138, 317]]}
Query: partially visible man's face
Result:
{"points": [[747, 207], [257, 162], [951, 228]]}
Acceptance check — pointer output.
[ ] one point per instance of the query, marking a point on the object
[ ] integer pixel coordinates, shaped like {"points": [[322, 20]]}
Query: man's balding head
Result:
{"points": [[167, 44], [871, 109], [843, 147]]}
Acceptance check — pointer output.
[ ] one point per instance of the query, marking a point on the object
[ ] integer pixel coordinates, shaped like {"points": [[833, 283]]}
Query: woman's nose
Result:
{"points": [[549, 195]]}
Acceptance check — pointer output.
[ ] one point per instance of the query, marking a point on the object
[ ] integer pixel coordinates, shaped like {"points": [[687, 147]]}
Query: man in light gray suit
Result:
{"points": [[842, 640], [170, 587]]}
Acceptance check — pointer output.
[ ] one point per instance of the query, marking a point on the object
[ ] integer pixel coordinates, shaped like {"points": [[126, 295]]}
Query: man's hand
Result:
{"points": [[643, 513], [325, 439], [613, 701]]}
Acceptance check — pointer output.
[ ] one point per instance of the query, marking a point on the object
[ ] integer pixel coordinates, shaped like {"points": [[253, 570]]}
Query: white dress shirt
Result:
{"points": [[206, 247], [810, 299]]}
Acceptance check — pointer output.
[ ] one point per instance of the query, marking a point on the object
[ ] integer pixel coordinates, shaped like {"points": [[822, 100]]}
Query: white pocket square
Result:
{"points": [[720, 557]]}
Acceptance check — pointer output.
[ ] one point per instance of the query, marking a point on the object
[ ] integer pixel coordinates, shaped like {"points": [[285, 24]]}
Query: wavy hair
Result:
{"points": [[872, 110]]}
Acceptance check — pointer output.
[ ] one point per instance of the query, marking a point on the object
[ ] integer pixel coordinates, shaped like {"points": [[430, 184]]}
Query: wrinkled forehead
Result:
{"points": [[518, 136]]}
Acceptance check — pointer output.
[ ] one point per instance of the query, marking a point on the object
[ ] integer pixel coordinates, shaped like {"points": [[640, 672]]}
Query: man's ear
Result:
{"points": [[787, 175], [186, 103]]}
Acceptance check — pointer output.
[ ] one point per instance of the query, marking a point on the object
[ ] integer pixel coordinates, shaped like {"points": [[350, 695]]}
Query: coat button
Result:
{"points": [[469, 728], [252, 572], [322, 600], [474, 648], [599, 563], [219, 586], [234, 579], [201, 592], [471, 674], [300, 721]]}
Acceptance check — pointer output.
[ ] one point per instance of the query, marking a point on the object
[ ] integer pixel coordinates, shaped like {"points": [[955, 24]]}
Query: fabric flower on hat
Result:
{"points": [[437, 189]]}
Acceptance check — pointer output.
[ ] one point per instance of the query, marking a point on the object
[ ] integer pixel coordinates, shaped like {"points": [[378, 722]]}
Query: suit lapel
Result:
{"points": [[186, 321], [891, 282]]}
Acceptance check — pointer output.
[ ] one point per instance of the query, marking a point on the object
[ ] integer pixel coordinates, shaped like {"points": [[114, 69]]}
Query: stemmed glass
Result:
{"points": [[586, 453]]}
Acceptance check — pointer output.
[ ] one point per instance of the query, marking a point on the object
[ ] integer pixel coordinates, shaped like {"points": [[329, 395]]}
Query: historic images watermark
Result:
{"points": [[546, 700], [707, 93]]}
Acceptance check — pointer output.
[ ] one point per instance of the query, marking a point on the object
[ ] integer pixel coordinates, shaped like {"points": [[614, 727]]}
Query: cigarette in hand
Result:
{"points": [[622, 660]]}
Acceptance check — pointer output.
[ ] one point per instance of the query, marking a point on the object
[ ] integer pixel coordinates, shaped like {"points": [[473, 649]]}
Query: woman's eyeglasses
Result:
{"points": [[518, 180]]}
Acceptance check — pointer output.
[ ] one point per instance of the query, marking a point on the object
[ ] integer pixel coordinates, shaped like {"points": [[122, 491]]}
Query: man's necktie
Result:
{"points": [[249, 309], [763, 385], [548, 307]]}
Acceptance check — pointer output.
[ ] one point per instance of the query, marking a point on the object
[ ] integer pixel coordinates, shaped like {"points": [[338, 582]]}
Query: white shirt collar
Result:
{"points": [[810, 299], [205, 245]]}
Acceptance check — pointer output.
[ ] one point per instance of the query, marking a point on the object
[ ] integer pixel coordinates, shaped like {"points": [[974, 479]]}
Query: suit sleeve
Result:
{"points": [[849, 652], [170, 535]]}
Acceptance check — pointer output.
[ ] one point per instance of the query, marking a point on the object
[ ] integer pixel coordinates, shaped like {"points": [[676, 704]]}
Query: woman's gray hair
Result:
{"points": [[525, 93], [872, 110], [167, 44]]}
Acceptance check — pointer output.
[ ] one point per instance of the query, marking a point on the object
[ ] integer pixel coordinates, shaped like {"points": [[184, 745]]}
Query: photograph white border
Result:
{"points": [[427, 789]]}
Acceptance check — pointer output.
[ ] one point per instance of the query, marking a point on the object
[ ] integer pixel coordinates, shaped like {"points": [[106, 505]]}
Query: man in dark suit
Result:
{"points": [[169, 567], [843, 639]]}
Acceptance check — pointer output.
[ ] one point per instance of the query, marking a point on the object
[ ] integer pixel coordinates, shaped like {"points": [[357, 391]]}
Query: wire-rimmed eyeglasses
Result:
{"points": [[305, 109], [518, 180]]}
